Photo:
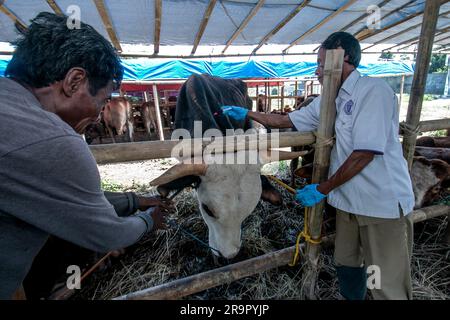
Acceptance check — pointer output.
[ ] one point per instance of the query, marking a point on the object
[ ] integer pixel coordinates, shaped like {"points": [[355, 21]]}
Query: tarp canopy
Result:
{"points": [[148, 69], [252, 22]]}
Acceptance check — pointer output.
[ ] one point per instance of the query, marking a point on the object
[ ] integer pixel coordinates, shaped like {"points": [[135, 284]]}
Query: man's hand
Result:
{"points": [[147, 202], [159, 219], [309, 195], [236, 113]]}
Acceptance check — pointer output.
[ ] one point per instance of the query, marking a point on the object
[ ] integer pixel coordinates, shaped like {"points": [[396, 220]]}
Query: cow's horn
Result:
{"points": [[271, 156], [179, 171]]}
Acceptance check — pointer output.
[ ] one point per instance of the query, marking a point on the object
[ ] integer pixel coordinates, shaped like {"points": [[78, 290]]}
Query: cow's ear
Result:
{"points": [[270, 193], [180, 183]]}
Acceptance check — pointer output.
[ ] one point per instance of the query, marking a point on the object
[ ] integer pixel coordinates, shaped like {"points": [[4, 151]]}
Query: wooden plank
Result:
{"points": [[365, 29], [202, 281], [433, 125], [415, 39], [351, 24], [331, 83], [244, 24], [366, 33], [157, 35], [103, 12], [420, 76], [278, 27], [401, 32], [12, 16], [204, 23], [158, 113], [320, 24], [123, 152], [55, 7]]}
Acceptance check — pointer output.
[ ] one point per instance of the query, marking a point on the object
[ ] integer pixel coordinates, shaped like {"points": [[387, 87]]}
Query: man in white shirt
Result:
{"points": [[368, 182]]}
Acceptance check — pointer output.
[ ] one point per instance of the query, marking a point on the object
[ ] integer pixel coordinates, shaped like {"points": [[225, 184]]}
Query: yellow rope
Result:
{"points": [[302, 234]]}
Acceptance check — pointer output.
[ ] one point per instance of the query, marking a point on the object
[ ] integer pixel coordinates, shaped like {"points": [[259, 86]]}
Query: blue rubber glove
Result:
{"points": [[309, 195], [235, 113]]}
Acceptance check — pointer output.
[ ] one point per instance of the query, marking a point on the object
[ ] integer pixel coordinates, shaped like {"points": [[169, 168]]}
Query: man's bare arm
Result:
{"points": [[354, 164], [271, 120]]}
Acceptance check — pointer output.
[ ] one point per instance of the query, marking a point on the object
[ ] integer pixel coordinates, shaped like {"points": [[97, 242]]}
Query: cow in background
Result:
{"points": [[148, 114], [434, 142], [118, 118], [261, 103]]}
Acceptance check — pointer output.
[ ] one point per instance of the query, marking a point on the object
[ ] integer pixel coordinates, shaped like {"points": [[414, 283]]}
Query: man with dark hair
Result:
{"points": [[368, 182], [56, 83]]}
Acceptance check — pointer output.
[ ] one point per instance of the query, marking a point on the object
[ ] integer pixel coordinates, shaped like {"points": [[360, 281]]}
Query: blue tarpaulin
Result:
{"points": [[147, 69]]}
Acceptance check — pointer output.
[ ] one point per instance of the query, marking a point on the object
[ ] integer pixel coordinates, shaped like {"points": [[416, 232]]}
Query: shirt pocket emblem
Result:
{"points": [[348, 107]]}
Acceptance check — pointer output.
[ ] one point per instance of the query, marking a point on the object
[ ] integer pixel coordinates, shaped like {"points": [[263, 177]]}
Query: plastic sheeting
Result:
{"points": [[133, 21], [148, 69]]}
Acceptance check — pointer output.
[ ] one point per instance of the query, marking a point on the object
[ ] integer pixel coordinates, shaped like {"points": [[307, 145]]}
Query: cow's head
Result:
{"points": [[428, 178], [226, 193]]}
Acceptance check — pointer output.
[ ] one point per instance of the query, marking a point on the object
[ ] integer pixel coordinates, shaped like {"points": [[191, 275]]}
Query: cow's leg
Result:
{"points": [[110, 132], [130, 131]]}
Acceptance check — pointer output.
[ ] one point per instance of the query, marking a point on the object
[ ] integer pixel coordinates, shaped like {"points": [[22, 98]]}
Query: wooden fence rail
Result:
{"points": [[137, 151]]}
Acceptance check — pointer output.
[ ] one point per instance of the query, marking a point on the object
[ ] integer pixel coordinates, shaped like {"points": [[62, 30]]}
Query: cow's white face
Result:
{"points": [[227, 195]]}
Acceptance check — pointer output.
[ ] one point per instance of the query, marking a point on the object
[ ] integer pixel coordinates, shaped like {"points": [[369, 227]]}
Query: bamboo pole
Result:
{"points": [[158, 113], [227, 274], [146, 150], [331, 84], [420, 77], [122, 152], [432, 125]]}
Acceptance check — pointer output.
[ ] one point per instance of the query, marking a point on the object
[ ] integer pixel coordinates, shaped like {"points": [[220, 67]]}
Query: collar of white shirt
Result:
{"points": [[350, 83]]}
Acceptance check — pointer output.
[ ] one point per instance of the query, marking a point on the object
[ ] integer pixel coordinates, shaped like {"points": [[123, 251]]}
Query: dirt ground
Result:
{"points": [[431, 110]]}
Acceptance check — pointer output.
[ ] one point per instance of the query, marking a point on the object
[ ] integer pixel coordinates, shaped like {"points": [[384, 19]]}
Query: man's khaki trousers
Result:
{"points": [[383, 243]]}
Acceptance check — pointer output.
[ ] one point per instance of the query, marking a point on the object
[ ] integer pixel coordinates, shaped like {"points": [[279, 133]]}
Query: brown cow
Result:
{"points": [[429, 177], [434, 142], [148, 114], [117, 115]]}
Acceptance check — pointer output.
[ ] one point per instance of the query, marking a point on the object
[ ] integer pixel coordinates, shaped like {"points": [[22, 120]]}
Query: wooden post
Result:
{"points": [[266, 98], [295, 92], [158, 113], [331, 84], [420, 76], [402, 86], [257, 95], [282, 97]]}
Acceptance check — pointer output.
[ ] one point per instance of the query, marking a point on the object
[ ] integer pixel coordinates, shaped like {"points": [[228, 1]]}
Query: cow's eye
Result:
{"points": [[208, 211]]}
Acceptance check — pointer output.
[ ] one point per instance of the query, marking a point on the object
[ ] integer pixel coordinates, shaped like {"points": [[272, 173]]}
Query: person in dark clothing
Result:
{"points": [[56, 83]]}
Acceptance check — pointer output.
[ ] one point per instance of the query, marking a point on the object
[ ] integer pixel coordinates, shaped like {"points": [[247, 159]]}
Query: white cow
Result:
{"points": [[227, 194]]}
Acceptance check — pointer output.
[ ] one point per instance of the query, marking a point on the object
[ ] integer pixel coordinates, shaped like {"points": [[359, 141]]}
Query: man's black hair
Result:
{"points": [[48, 49], [347, 42]]}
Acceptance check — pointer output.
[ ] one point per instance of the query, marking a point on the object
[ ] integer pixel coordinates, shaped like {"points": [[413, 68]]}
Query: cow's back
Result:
{"points": [[201, 97]]}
